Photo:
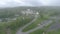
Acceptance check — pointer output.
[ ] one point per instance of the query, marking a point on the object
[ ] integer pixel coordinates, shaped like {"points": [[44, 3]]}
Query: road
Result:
{"points": [[55, 26], [20, 30], [44, 23]]}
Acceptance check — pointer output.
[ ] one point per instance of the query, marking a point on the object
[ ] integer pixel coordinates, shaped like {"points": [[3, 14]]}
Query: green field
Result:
{"points": [[35, 23], [39, 31], [54, 32], [14, 25]]}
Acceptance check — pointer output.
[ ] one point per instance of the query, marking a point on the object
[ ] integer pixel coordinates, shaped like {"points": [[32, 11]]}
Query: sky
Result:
{"points": [[12, 3]]}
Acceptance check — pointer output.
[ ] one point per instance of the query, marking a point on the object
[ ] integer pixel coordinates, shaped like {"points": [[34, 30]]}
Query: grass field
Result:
{"points": [[35, 23], [14, 25], [39, 31]]}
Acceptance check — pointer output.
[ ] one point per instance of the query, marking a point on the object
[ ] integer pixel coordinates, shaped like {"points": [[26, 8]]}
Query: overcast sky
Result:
{"points": [[8, 3]]}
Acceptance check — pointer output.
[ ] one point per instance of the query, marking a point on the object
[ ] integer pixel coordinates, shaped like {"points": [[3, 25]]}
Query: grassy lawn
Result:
{"points": [[2, 28], [19, 23], [39, 31], [14, 25], [35, 23], [54, 32]]}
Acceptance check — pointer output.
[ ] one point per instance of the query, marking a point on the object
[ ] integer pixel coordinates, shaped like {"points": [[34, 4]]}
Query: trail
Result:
{"points": [[20, 30], [44, 23]]}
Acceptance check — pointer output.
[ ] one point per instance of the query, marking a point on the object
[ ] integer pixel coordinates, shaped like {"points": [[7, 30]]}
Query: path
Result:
{"points": [[20, 30], [44, 23]]}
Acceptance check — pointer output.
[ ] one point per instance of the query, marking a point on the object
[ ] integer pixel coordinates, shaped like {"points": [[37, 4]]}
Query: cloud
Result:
{"points": [[55, 2], [51, 2], [12, 3], [8, 3]]}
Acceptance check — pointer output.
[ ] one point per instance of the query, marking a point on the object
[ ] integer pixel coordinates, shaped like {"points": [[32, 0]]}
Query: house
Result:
{"points": [[29, 12]]}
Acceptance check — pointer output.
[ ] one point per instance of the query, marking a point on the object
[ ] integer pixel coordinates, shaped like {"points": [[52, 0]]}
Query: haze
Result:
{"points": [[13, 3]]}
